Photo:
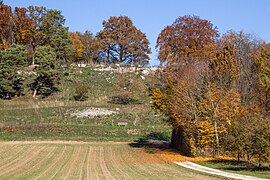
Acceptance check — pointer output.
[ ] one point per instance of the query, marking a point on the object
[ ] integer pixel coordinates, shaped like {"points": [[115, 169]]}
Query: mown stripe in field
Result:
{"points": [[60, 164], [9, 153], [87, 161], [44, 164], [37, 163], [19, 153], [53, 163], [103, 165], [23, 161]]}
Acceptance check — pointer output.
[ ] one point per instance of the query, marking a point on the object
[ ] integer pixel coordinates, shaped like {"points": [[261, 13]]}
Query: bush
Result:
{"points": [[81, 93], [122, 99]]}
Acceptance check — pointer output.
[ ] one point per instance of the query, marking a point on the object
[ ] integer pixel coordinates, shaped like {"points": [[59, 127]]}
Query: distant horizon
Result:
{"points": [[152, 16]]}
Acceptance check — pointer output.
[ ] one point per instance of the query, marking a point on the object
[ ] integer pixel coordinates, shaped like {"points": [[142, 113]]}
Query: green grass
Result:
{"points": [[238, 168], [25, 118]]}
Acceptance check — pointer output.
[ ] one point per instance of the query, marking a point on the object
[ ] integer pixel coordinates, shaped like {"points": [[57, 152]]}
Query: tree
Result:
{"points": [[187, 38], [245, 45], [91, 47], [48, 72], [79, 47], [122, 42], [37, 36], [50, 30], [24, 26], [11, 78], [62, 45], [224, 67], [6, 26], [262, 60], [184, 47]]}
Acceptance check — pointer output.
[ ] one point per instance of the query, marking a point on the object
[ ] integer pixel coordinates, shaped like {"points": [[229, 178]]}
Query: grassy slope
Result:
{"points": [[28, 119]]}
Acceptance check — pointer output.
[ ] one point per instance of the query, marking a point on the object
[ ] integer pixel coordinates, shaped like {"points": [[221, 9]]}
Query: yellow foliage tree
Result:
{"points": [[75, 38], [219, 107]]}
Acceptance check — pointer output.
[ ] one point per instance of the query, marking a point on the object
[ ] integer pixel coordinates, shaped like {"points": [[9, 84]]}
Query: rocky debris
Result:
{"points": [[126, 69], [93, 112]]}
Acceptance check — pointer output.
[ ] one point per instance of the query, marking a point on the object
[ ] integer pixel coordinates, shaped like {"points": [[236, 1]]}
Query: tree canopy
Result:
{"points": [[122, 42], [187, 38]]}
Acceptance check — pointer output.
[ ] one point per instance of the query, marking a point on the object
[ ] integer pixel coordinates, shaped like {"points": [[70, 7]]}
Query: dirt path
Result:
{"points": [[208, 170]]}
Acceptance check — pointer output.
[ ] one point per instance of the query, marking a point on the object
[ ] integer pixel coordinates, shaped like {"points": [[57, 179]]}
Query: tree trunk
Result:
{"points": [[217, 138], [34, 93], [238, 156], [183, 140]]}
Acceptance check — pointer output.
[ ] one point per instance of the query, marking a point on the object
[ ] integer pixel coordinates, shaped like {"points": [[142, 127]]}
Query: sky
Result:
{"points": [[151, 16]]}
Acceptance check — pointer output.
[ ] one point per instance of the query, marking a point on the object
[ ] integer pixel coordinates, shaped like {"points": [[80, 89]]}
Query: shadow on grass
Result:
{"points": [[152, 142], [234, 165]]}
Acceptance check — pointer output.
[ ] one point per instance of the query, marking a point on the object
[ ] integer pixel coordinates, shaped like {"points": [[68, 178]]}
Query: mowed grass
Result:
{"points": [[238, 167], [81, 160]]}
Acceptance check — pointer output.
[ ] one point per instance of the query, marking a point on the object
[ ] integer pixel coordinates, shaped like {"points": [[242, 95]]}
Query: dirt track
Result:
{"points": [[85, 160], [208, 170]]}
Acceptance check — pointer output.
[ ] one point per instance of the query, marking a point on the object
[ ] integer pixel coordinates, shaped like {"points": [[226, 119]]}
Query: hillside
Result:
{"points": [[119, 90]]}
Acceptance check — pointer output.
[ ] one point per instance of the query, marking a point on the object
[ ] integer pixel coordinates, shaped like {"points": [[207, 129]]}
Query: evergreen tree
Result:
{"points": [[47, 70], [12, 61]]}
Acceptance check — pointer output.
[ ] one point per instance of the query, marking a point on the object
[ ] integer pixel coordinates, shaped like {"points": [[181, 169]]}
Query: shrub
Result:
{"points": [[122, 99], [81, 93]]}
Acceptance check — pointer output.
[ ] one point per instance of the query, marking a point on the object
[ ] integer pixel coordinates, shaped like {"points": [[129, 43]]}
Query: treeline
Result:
{"points": [[35, 45], [215, 90]]}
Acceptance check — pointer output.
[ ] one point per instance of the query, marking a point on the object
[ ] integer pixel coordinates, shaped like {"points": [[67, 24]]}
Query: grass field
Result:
{"points": [[238, 167], [82, 160]]}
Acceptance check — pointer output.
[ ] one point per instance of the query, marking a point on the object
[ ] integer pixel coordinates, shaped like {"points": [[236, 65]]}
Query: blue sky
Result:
{"points": [[151, 16]]}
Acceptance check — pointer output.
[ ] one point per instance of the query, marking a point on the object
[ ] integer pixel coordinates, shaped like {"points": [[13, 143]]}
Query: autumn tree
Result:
{"points": [[187, 38], [6, 27], [262, 61], [122, 42], [185, 47], [23, 26], [91, 47], [79, 47]]}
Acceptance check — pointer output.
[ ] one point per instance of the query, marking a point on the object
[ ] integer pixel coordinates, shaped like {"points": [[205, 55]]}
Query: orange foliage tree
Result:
{"points": [[6, 25], [79, 47], [185, 39], [24, 26], [121, 41]]}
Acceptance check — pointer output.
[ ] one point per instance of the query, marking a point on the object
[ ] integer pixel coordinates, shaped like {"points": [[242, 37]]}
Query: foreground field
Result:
{"points": [[79, 160]]}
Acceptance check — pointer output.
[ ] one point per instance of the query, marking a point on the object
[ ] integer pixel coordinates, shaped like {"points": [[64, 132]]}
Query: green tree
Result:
{"points": [[50, 30], [48, 72], [122, 42], [12, 61], [62, 45]]}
